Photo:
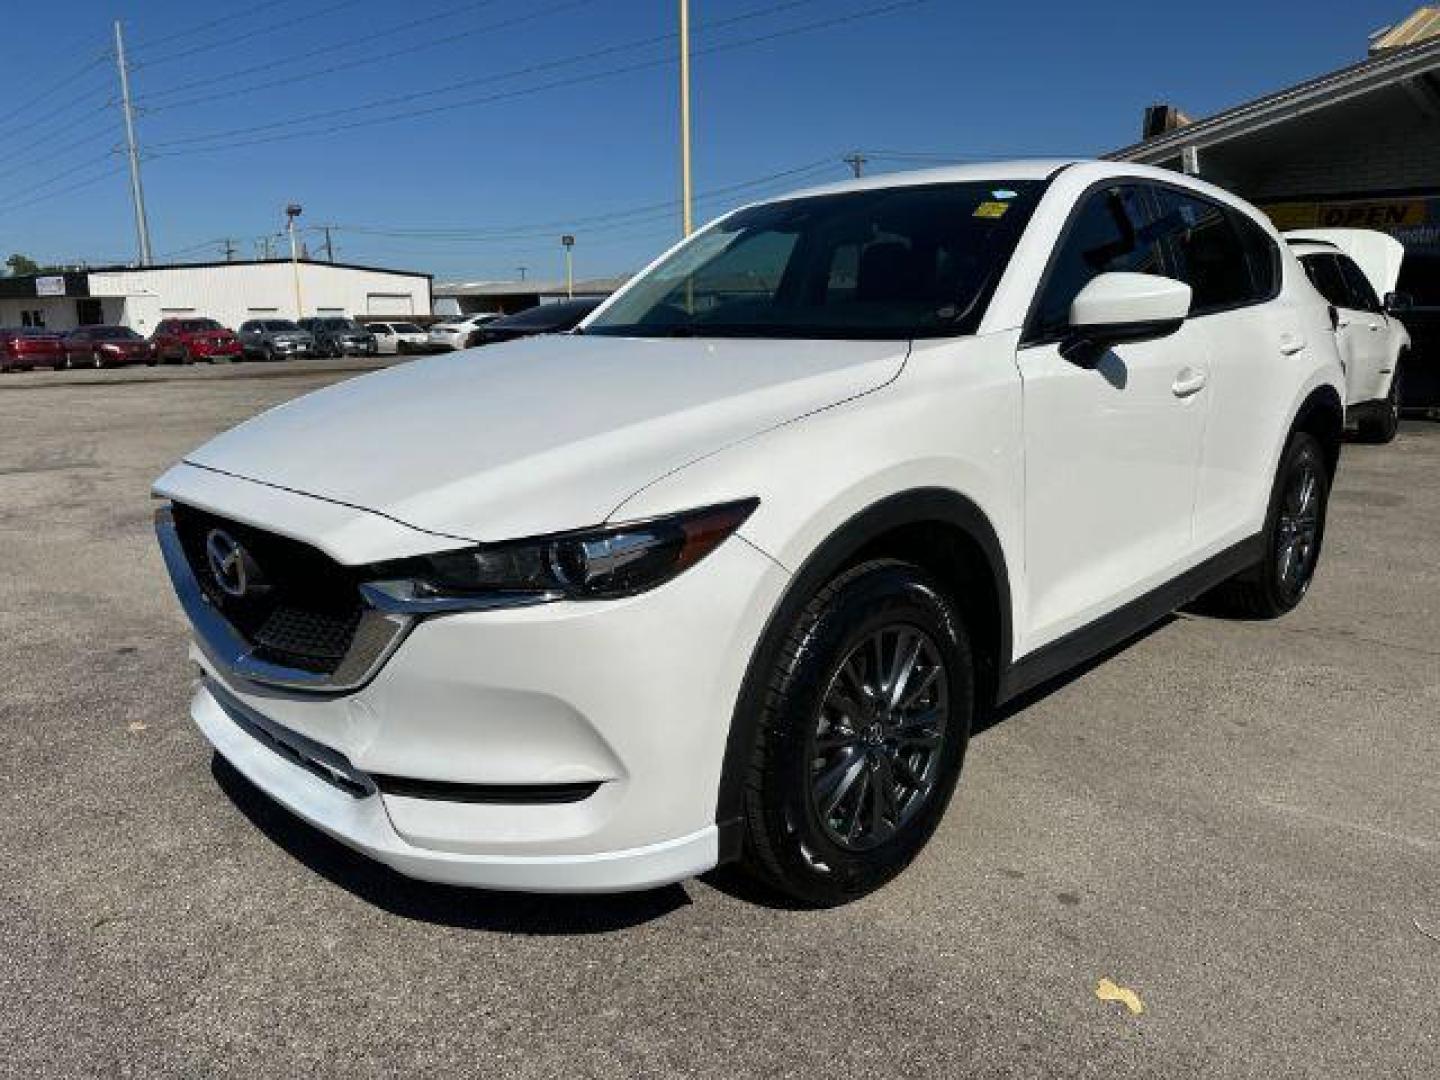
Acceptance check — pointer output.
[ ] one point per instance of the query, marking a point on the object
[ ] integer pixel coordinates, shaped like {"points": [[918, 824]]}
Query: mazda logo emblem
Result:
{"points": [[230, 564]]}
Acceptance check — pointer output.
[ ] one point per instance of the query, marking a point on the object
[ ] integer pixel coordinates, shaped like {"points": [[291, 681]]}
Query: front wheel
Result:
{"points": [[861, 737]]}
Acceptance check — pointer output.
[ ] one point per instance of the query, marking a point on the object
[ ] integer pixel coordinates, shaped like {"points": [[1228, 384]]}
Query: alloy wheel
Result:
{"points": [[875, 746], [1299, 529]]}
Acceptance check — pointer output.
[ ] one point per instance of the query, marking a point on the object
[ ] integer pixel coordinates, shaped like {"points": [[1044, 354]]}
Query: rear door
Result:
{"points": [[1112, 454], [1235, 267]]}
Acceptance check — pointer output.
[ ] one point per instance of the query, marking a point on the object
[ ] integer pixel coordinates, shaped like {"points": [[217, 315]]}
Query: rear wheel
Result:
{"points": [[1382, 422], [96, 360], [1294, 533], [862, 735]]}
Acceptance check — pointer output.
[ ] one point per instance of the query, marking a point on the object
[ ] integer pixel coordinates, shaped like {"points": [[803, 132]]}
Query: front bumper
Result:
{"points": [[631, 698], [364, 823]]}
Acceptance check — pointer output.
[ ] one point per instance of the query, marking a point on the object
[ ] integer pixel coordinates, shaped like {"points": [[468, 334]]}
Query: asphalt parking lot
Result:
{"points": [[1238, 822]]}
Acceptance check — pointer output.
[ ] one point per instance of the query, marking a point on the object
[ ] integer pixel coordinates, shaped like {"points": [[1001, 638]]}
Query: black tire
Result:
{"points": [[186, 356], [1381, 422], [810, 750], [1274, 586], [96, 360]]}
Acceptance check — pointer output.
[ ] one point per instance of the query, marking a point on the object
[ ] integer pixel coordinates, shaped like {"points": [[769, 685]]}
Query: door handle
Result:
{"points": [[1291, 342], [1375, 326], [1188, 382]]}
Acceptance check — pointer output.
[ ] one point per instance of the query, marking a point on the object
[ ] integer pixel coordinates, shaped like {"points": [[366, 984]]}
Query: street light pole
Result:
{"points": [[291, 213], [686, 215]]}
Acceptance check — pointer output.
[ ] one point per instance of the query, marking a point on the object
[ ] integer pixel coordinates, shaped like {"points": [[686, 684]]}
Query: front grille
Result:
{"points": [[304, 609]]}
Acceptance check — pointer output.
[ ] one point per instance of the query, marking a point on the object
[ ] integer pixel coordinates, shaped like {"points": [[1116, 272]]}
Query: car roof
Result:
{"points": [[1017, 169]]}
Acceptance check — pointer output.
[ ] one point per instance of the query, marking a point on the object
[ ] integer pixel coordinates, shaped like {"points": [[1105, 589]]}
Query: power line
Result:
{"points": [[27, 163], [200, 28], [594, 222], [9, 207], [588, 225], [822, 24], [65, 174], [20, 109], [230, 42], [513, 73], [289, 61], [98, 98]]}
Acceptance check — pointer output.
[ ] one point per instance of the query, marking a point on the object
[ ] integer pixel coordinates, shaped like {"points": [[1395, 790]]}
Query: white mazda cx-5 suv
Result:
{"points": [[729, 572]]}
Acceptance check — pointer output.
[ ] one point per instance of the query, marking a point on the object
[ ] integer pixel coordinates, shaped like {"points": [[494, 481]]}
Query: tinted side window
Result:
{"points": [[1204, 251], [1262, 255], [1359, 285], [1112, 232], [1324, 274]]}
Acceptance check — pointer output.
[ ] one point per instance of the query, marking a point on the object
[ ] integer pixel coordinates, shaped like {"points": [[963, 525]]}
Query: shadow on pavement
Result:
{"points": [[990, 718], [445, 905]]}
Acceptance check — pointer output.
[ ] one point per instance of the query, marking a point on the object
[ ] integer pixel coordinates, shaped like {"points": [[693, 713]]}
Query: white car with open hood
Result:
{"points": [[730, 572], [1357, 270]]}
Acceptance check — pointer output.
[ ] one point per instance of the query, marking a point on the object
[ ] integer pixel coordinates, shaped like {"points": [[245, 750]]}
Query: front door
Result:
{"points": [[1112, 454]]}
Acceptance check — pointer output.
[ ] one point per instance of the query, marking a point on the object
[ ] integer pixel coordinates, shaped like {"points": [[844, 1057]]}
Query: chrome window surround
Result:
{"points": [[378, 635]]}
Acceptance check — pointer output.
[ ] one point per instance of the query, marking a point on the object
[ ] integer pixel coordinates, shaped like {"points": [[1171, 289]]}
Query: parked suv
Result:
{"points": [[275, 339], [1353, 269], [730, 573], [188, 340], [335, 336]]}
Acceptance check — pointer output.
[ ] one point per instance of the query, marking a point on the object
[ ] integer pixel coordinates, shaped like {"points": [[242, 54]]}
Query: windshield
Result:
{"points": [[113, 333], [191, 326], [338, 324], [406, 328], [895, 262], [280, 324]]}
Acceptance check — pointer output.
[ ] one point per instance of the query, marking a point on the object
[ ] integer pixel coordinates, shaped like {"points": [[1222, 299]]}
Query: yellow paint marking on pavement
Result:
{"points": [[1108, 991]]}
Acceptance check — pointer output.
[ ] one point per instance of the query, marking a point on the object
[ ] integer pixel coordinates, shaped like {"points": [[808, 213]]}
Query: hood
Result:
{"points": [[1378, 254], [541, 435]]}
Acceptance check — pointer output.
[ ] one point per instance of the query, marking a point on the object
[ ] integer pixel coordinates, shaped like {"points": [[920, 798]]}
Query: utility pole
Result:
{"points": [[229, 249], [329, 247], [291, 213], [569, 242], [686, 215], [522, 270], [137, 190], [857, 162]]}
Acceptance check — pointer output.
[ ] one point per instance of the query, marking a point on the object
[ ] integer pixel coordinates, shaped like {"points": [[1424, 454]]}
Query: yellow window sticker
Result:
{"points": [[991, 209]]}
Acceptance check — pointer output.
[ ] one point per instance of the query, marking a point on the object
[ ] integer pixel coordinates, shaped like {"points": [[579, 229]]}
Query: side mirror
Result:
{"points": [[1397, 303], [1117, 308]]}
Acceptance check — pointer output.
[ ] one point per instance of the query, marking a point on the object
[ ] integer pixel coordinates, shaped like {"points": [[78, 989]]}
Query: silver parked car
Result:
{"points": [[339, 336], [275, 339]]}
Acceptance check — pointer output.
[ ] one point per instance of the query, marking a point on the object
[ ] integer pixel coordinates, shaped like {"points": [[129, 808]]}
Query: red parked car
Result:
{"points": [[188, 340], [25, 347], [105, 346]]}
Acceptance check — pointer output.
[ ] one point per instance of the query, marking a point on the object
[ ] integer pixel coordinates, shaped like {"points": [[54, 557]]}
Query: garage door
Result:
{"points": [[389, 304]]}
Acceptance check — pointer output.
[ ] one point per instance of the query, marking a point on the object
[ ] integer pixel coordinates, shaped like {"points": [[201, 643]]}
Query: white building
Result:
{"points": [[230, 292]]}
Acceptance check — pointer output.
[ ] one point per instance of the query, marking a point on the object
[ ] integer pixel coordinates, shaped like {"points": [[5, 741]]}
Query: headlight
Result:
{"points": [[593, 564]]}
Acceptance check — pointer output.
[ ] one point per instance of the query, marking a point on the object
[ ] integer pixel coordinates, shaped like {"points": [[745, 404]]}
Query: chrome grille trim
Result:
{"points": [[378, 635]]}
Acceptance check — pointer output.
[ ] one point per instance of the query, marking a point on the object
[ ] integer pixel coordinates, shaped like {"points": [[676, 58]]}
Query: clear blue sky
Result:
{"points": [[547, 137]]}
